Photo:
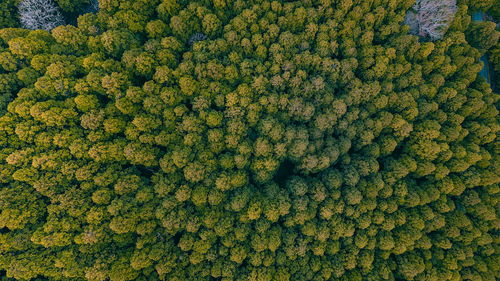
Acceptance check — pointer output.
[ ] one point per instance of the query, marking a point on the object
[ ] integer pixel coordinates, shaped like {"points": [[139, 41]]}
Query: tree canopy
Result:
{"points": [[248, 140]]}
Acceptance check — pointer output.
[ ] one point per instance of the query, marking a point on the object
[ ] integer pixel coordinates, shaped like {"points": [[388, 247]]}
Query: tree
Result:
{"points": [[431, 19], [281, 144], [40, 14], [410, 266], [483, 35], [73, 6], [8, 15]]}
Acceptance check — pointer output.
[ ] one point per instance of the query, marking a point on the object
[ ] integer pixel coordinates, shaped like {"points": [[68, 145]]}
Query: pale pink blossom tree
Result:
{"points": [[431, 19]]}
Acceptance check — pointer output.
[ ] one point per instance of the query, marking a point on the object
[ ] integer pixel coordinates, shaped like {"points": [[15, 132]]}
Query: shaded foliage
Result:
{"points": [[8, 14]]}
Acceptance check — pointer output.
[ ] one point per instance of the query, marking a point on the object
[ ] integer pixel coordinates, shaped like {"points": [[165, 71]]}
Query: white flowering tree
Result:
{"points": [[198, 36], [40, 14], [431, 18]]}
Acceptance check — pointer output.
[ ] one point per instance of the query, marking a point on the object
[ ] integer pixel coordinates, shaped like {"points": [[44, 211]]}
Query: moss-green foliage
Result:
{"points": [[8, 14], [494, 11], [483, 35], [494, 60], [494, 53], [308, 140], [71, 5], [478, 5]]}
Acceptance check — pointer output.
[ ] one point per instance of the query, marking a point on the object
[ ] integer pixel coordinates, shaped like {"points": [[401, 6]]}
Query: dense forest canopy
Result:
{"points": [[248, 140]]}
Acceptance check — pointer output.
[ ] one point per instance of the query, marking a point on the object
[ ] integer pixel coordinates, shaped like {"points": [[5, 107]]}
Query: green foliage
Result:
{"points": [[494, 59], [248, 140], [494, 11], [483, 35], [71, 5], [478, 5], [8, 14]]}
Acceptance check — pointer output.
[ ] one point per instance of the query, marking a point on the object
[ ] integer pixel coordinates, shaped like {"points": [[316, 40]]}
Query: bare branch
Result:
{"points": [[431, 18], [40, 14]]}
